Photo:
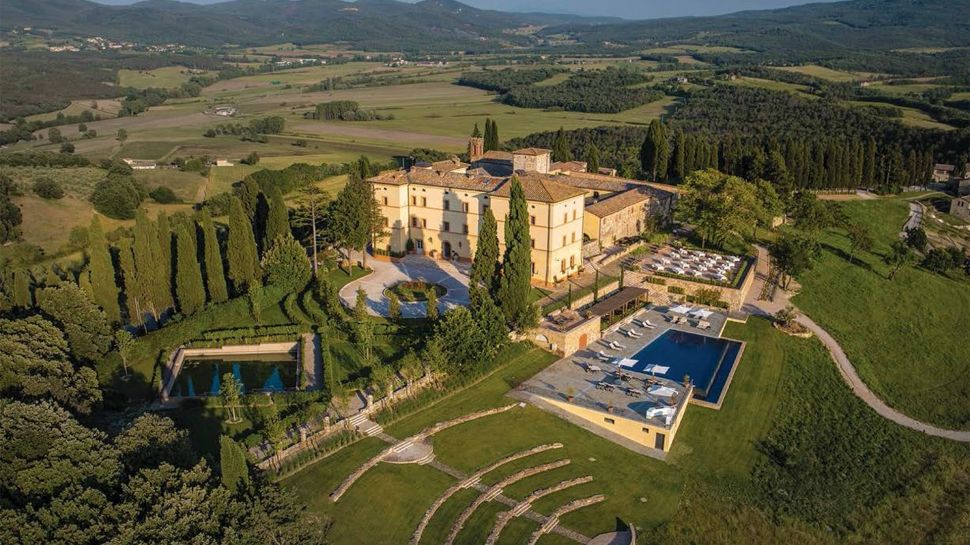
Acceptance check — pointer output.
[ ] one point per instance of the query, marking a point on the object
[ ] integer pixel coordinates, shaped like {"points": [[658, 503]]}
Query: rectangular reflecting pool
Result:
{"points": [[707, 360], [202, 376]]}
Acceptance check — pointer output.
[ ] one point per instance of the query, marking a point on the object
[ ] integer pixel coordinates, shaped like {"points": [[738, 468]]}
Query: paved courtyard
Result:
{"points": [[451, 275]]}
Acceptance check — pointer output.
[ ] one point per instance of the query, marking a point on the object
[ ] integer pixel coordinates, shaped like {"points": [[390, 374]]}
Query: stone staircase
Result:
{"points": [[360, 423]]}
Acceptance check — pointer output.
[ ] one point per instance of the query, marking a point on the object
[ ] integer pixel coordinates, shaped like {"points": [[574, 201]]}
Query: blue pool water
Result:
{"points": [[266, 373], [708, 360]]}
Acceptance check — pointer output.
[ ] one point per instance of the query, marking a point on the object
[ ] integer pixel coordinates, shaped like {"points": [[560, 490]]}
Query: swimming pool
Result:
{"points": [[707, 360], [202, 376]]}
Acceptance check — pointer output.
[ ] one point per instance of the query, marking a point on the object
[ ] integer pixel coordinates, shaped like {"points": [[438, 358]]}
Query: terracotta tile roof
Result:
{"points": [[531, 151], [540, 188], [495, 155], [448, 165], [618, 202], [436, 178], [568, 166], [597, 182]]}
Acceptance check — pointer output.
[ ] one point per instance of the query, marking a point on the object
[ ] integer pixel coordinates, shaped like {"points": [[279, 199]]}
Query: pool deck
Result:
{"points": [[578, 375]]}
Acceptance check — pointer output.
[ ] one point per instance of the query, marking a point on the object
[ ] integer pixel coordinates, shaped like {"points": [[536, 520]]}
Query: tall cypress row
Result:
{"points": [[680, 166], [495, 138], [134, 298], [243, 264], [102, 272], [188, 275], [514, 286], [148, 274], [487, 138], [277, 219], [215, 276], [560, 148], [163, 228]]}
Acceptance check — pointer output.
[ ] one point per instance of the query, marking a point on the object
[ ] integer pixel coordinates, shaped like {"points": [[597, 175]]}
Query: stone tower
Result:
{"points": [[476, 148]]}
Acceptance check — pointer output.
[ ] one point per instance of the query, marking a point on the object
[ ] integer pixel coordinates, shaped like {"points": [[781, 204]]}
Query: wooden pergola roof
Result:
{"points": [[618, 301]]}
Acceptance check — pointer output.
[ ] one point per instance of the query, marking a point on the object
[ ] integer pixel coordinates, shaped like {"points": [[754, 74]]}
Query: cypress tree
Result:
{"points": [[485, 268], [232, 464], [215, 276], [655, 151], [560, 149], [514, 286], [163, 228], [496, 141], [102, 272], [188, 276], [487, 137], [592, 159], [679, 166], [248, 192], [277, 220], [134, 298], [243, 266], [147, 255], [475, 132]]}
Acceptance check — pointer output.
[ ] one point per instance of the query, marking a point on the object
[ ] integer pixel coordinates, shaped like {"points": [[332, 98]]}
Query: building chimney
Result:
{"points": [[476, 148]]}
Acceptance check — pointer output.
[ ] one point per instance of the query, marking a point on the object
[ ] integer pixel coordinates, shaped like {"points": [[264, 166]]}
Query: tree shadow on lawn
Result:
{"points": [[854, 260]]}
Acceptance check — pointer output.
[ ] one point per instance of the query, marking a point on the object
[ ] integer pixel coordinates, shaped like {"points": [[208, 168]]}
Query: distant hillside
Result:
{"points": [[807, 33], [371, 24]]}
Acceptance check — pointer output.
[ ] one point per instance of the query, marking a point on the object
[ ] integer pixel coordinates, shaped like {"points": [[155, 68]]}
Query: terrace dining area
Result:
{"points": [[695, 263]]}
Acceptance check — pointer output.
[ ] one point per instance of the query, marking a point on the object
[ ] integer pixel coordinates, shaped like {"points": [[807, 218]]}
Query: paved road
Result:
{"points": [[453, 276], [846, 369], [915, 218]]}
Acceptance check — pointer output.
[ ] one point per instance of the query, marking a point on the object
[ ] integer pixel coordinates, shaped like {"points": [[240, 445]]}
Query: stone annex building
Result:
{"points": [[438, 207]]}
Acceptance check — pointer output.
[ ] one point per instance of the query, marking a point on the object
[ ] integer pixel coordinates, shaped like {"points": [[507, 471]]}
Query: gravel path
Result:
{"points": [[453, 276]]}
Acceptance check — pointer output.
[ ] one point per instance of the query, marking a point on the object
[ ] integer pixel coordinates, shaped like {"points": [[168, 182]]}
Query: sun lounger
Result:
{"points": [[632, 333], [701, 324], [644, 324], [616, 346], [603, 357]]}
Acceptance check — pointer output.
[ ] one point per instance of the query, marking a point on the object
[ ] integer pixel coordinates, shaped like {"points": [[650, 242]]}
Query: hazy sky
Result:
{"points": [[630, 9]]}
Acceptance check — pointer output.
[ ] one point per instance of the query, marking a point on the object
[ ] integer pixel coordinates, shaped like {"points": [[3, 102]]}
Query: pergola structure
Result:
{"points": [[619, 304]]}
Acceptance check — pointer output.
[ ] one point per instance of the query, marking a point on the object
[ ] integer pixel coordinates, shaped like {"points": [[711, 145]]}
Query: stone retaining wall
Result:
{"points": [[568, 508]]}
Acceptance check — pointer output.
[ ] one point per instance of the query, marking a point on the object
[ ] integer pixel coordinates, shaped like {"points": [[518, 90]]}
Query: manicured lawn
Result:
{"points": [[906, 337]]}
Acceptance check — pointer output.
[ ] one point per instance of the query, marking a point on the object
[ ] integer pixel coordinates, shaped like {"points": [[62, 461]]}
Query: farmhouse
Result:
{"points": [[960, 207], [942, 172], [140, 164], [434, 209]]}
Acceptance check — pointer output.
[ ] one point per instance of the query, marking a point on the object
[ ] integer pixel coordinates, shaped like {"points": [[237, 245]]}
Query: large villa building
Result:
{"points": [[435, 209]]}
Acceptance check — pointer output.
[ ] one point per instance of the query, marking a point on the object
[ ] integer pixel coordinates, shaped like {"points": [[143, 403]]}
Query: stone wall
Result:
{"points": [[734, 297], [567, 342]]}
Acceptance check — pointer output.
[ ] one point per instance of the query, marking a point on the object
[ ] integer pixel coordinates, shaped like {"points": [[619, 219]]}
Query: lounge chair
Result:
{"points": [[649, 324], [602, 356], [616, 346], [632, 333], [702, 324]]}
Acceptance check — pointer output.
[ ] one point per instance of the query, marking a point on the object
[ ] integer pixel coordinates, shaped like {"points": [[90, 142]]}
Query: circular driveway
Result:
{"points": [[452, 276]]}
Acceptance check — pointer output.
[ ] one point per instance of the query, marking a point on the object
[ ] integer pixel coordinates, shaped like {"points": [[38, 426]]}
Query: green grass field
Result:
{"points": [[822, 72], [911, 116], [709, 486], [906, 337]]}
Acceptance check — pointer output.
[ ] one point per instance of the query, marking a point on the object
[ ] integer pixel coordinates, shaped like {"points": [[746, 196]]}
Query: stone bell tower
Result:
{"points": [[476, 148]]}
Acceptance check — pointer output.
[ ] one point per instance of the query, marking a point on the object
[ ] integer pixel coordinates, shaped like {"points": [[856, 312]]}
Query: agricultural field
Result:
{"points": [[913, 117], [772, 85], [159, 78], [822, 72], [902, 89]]}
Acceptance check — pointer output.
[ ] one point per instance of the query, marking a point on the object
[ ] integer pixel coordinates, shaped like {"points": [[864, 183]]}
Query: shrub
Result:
{"points": [[163, 195], [117, 197], [47, 188], [675, 289], [286, 265]]}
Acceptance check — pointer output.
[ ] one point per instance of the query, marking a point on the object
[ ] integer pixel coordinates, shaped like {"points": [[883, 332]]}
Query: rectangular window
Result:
{"points": [[414, 200], [609, 420], [424, 201], [447, 204], [414, 221], [464, 207], [424, 222], [532, 220], [532, 242], [564, 240], [385, 201], [565, 217], [572, 261], [574, 213], [533, 267], [574, 236], [446, 227], [464, 228], [419, 244], [562, 267]]}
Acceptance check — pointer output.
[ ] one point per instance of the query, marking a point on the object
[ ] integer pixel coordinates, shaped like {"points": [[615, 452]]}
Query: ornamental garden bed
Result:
{"points": [[415, 290]]}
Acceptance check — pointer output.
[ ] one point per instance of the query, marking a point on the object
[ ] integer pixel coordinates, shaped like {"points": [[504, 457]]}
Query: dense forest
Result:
{"points": [[772, 135], [503, 81]]}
